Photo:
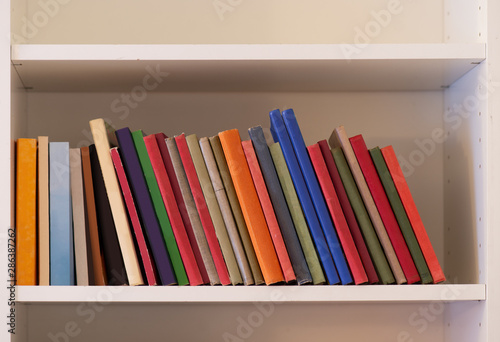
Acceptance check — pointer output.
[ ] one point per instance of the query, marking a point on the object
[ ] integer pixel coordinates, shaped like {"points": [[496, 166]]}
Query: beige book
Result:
{"points": [[340, 138], [102, 144], [43, 212], [214, 209]]}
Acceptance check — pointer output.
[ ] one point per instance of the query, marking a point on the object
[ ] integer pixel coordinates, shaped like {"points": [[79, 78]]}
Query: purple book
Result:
{"points": [[145, 205]]}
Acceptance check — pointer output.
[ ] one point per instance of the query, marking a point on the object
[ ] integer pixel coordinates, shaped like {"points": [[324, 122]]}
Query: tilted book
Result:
{"points": [[144, 252], [376, 252], [220, 194], [400, 213], [384, 208], [340, 223], [299, 221], [214, 209], [236, 209], [62, 260], [26, 230], [144, 203], [413, 215], [250, 206], [339, 138], [280, 135], [268, 210], [348, 213], [123, 231], [174, 215], [279, 205]]}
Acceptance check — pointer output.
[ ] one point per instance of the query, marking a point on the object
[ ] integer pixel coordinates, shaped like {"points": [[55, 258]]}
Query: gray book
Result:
{"points": [[225, 208], [192, 212]]}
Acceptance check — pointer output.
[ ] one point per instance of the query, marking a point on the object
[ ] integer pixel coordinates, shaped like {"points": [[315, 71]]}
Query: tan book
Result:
{"points": [[225, 208], [340, 138], [79, 218], [102, 144], [192, 212], [43, 211], [214, 209], [236, 209]]}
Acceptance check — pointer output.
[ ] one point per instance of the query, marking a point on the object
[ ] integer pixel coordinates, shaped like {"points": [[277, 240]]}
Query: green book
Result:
{"points": [[214, 209], [371, 239], [160, 210], [401, 217], [235, 207], [298, 218]]}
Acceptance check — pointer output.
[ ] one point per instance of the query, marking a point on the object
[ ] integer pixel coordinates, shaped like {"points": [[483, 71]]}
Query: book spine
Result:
{"points": [[79, 218], [250, 206], [225, 208], [101, 140], [402, 218], [194, 216], [297, 215], [280, 135], [159, 208], [43, 211], [62, 262], [26, 230], [268, 210], [372, 242], [173, 213], [280, 207], [236, 209], [348, 213], [333, 204], [339, 138], [98, 267], [413, 215], [147, 262], [144, 203], [214, 209], [384, 208], [161, 139], [115, 270]]}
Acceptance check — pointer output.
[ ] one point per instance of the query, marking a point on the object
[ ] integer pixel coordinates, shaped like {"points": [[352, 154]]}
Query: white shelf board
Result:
{"points": [[271, 67], [238, 294]]}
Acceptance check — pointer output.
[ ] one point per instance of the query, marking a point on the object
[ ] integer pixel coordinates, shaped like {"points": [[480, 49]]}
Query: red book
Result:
{"points": [[385, 209], [160, 140], [413, 215], [267, 208], [348, 213], [201, 205], [174, 215], [332, 201], [147, 260]]}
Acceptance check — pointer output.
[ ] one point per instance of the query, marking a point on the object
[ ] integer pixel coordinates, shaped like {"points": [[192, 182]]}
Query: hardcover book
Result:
{"points": [[250, 206], [43, 211]]}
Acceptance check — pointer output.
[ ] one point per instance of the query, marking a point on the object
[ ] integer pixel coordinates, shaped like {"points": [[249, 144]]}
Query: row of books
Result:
{"points": [[152, 210]]}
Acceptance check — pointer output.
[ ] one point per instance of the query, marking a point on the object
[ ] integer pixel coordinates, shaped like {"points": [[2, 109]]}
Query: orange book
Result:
{"points": [[250, 206], [268, 210], [26, 250]]}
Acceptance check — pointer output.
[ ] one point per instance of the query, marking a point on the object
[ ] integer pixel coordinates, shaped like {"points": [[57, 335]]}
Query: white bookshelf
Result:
{"points": [[415, 79]]}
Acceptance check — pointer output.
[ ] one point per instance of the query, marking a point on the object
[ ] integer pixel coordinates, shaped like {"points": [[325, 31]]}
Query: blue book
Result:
{"points": [[318, 200], [62, 258], [283, 216], [144, 202], [280, 135]]}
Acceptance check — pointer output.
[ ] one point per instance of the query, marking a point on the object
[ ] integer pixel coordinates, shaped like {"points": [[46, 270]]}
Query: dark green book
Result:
{"points": [[160, 210], [401, 217], [297, 215], [371, 239]]}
